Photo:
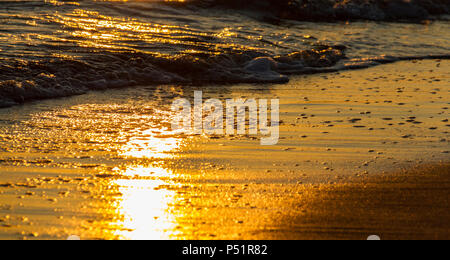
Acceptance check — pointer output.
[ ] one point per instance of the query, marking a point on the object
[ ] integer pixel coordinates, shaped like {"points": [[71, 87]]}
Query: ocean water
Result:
{"points": [[60, 48]]}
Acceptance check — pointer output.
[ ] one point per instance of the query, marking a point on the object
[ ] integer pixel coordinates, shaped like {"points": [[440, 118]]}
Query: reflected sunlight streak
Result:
{"points": [[149, 145], [145, 203], [145, 206]]}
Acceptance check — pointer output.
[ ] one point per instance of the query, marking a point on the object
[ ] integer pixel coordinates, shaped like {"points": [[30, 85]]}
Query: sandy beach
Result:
{"points": [[361, 153]]}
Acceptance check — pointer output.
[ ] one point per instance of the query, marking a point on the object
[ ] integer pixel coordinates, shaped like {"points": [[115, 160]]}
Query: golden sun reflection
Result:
{"points": [[93, 29], [144, 206], [151, 144]]}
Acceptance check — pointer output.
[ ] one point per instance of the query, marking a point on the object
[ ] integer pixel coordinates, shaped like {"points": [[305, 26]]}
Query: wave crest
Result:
{"points": [[30, 80]]}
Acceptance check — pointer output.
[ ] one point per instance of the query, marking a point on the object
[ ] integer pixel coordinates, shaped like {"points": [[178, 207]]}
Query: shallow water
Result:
{"points": [[44, 29], [59, 48]]}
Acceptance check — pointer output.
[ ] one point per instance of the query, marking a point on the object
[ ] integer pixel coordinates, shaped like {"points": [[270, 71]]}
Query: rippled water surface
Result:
{"points": [[33, 29], [57, 48]]}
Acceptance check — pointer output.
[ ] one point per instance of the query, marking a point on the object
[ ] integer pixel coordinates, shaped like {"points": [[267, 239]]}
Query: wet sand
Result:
{"points": [[105, 166]]}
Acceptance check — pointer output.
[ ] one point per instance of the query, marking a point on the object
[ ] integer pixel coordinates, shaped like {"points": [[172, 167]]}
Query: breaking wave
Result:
{"points": [[30, 80]]}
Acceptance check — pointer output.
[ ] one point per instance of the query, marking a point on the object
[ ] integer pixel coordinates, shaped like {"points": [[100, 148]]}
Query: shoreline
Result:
{"points": [[279, 78]]}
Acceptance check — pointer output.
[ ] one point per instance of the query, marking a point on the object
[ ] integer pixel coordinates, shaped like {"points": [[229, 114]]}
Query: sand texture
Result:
{"points": [[361, 152]]}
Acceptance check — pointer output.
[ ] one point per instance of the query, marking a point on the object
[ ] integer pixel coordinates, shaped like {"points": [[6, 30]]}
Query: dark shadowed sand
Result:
{"points": [[413, 204]]}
